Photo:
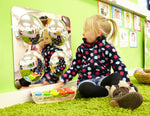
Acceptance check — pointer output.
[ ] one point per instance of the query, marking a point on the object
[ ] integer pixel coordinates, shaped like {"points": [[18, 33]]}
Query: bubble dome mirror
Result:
{"points": [[30, 29], [58, 63], [32, 66], [58, 32]]}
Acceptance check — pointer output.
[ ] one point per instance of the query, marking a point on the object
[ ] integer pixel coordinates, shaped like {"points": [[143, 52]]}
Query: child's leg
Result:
{"points": [[112, 79], [89, 89]]}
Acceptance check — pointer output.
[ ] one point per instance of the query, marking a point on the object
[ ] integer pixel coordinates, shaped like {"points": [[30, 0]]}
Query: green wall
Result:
{"points": [[76, 10]]}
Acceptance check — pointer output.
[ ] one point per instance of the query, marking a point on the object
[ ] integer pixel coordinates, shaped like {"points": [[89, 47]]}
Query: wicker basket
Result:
{"points": [[143, 78]]}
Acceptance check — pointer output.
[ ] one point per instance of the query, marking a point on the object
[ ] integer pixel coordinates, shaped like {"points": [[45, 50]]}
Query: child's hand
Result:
{"points": [[61, 84], [44, 82]]}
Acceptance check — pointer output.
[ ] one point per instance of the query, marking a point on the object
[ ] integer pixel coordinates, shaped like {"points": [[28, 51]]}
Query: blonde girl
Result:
{"points": [[93, 62]]}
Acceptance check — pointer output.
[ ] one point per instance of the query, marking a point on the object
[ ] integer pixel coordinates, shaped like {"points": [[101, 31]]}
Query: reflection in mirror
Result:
{"points": [[58, 63], [32, 66], [58, 32], [41, 45], [29, 29]]}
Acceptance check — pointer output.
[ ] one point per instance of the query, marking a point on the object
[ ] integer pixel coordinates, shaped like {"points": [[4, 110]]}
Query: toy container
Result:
{"points": [[54, 95]]}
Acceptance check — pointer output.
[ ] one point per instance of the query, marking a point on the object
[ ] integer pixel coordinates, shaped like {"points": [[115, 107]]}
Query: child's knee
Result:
{"points": [[86, 88], [89, 89]]}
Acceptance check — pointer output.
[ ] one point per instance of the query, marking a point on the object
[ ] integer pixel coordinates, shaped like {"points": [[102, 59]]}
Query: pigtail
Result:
{"points": [[114, 31]]}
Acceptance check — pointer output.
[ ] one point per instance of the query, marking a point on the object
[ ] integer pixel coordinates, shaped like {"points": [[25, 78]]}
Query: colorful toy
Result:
{"points": [[61, 92], [68, 90], [54, 95], [54, 92], [139, 71]]}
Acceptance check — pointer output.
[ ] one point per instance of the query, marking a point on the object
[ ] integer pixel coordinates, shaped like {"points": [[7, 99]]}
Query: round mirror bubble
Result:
{"points": [[30, 29], [32, 66], [58, 32], [59, 63]]}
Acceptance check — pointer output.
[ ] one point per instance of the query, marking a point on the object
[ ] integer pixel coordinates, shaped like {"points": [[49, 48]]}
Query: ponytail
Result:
{"points": [[114, 31]]}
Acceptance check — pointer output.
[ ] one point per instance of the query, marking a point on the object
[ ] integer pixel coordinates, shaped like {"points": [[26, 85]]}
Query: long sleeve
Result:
{"points": [[117, 65], [74, 68]]}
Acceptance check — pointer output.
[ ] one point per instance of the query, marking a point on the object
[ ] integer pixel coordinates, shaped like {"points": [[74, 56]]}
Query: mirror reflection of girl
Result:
{"points": [[93, 62], [47, 51]]}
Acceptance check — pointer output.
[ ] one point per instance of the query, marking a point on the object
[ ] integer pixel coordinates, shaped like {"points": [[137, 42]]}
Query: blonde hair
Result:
{"points": [[98, 23]]}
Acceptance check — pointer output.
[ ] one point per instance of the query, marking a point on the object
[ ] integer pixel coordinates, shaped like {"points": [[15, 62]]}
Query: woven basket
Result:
{"points": [[143, 78]]}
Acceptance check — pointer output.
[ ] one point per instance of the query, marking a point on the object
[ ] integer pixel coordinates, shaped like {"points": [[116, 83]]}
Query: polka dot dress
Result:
{"points": [[47, 52], [95, 61], [61, 66]]}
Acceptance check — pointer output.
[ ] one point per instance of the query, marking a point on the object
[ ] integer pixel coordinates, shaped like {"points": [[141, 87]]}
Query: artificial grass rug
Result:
{"points": [[81, 107]]}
